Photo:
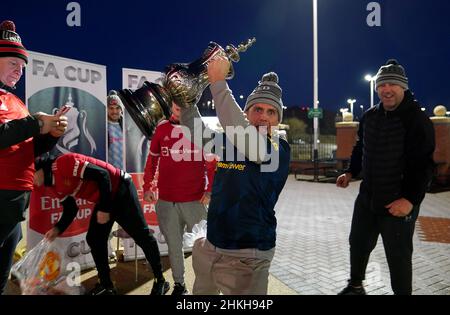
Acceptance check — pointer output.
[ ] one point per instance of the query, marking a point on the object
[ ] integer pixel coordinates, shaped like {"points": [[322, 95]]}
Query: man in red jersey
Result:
{"points": [[22, 137], [183, 188], [114, 194]]}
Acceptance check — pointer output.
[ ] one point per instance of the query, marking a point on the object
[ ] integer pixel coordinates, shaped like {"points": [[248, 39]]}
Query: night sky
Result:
{"points": [[149, 35]]}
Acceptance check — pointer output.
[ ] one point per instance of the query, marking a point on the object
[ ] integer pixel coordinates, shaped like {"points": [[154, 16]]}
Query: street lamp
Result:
{"points": [[241, 97], [351, 101], [316, 90], [362, 109], [371, 79]]}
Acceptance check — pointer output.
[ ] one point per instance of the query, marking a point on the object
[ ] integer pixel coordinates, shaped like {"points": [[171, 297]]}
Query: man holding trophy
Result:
{"points": [[236, 254], [240, 241]]}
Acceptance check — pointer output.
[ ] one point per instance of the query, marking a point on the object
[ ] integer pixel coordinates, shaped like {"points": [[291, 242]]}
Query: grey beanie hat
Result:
{"points": [[267, 92], [392, 73], [114, 99]]}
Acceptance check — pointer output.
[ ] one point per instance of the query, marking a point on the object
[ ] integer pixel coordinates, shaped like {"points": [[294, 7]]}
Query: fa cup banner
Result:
{"points": [[52, 82], [136, 151], [136, 144], [136, 148]]}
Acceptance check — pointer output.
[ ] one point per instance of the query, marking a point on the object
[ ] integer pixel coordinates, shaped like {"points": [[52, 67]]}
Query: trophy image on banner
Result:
{"points": [[182, 83]]}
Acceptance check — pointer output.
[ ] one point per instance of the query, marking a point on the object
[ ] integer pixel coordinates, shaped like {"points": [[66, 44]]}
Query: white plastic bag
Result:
{"points": [[198, 231], [42, 271]]}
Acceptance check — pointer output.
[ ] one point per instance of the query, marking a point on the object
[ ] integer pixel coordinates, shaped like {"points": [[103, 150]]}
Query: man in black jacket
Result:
{"points": [[394, 152]]}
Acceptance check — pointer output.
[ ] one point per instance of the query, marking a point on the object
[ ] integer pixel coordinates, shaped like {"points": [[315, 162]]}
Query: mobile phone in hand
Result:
{"points": [[64, 109]]}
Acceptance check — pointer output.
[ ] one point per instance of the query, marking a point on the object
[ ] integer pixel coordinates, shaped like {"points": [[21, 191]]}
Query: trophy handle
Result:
{"points": [[230, 51], [185, 82], [233, 53]]}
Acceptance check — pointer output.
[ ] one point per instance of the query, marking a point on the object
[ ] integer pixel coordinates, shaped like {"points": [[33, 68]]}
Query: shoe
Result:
{"points": [[160, 287], [180, 289], [351, 290], [99, 289], [120, 233]]}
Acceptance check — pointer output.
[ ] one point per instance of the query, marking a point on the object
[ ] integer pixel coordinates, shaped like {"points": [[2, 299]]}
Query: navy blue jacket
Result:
{"points": [[241, 213]]}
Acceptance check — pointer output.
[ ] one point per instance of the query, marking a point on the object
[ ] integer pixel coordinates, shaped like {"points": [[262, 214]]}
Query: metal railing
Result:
{"points": [[302, 149]]}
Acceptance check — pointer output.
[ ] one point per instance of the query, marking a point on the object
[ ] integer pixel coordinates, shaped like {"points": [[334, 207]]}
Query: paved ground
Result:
{"points": [[312, 256]]}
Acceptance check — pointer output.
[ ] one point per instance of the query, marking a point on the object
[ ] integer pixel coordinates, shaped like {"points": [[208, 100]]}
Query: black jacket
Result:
{"points": [[394, 151]]}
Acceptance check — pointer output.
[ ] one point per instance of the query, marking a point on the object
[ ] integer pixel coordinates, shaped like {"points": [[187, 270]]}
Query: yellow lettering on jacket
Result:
{"points": [[229, 166]]}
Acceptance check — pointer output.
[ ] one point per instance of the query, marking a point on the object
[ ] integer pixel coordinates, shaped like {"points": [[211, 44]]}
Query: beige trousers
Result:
{"points": [[230, 272]]}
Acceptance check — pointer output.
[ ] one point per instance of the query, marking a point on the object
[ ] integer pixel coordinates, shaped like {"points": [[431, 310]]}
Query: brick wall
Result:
{"points": [[441, 155], [346, 134]]}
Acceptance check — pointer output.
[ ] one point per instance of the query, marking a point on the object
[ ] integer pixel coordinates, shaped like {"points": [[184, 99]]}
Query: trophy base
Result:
{"points": [[147, 106]]}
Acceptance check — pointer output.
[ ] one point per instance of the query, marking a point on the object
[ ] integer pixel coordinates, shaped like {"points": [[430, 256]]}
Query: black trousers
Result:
{"points": [[13, 204], [127, 211], [397, 234]]}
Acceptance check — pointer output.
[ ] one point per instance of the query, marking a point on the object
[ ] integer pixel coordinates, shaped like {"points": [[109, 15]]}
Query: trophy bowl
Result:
{"points": [[147, 106], [182, 83], [186, 82]]}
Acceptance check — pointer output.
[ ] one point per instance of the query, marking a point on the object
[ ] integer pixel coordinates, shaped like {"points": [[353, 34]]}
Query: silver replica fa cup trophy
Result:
{"points": [[182, 83]]}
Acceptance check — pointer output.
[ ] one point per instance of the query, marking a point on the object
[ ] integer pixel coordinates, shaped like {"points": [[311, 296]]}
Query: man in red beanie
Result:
{"points": [[22, 137]]}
